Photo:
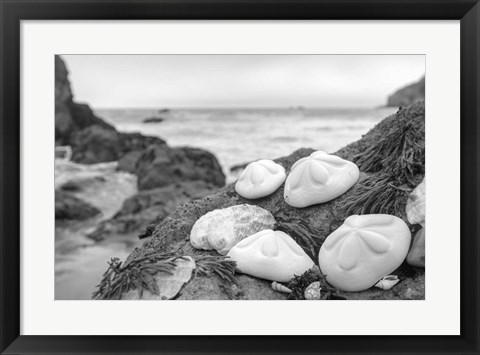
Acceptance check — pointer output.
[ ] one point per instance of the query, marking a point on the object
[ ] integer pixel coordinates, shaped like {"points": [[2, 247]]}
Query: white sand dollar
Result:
{"points": [[222, 229], [260, 178], [363, 250], [319, 178], [270, 255]]}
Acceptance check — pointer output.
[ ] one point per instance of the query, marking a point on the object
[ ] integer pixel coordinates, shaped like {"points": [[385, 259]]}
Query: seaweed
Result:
{"points": [[398, 153], [138, 274], [299, 230], [299, 283], [377, 194], [219, 265]]}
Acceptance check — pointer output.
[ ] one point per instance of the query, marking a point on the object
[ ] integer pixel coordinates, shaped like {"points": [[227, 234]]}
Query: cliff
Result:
{"points": [[408, 95], [391, 158], [92, 139]]}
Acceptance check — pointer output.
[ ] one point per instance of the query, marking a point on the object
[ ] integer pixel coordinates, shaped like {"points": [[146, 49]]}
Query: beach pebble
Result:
{"points": [[260, 178], [222, 229], [415, 208], [416, 255], [270, 255], [363, 250], [312, 292], [319, 178]]}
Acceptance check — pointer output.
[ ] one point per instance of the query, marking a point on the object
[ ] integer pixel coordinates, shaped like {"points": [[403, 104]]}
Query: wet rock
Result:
{"points": [[160, 165], [150, 206], [153, 120], [416, 255], [69, 207]]}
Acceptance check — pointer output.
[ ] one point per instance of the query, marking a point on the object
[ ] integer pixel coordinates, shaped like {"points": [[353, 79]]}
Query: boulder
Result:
{"points": [[172, 233], [96, 144], [160, 165], [150, 206], [408, 95], [69, 207]]}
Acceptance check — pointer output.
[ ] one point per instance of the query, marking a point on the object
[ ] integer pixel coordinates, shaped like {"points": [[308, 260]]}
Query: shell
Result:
{"points": [[222, 229], [168, 284], [319, 178], [416, 205], [312, 292], [260, 179], [387, 282], [363, 250], [280, 288], [270, 255]]}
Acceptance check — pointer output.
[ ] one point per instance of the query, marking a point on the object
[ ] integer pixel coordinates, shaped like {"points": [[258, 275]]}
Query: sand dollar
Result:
{"points": [[319, 178], [260, 178], [363, 250], [270, 255]]}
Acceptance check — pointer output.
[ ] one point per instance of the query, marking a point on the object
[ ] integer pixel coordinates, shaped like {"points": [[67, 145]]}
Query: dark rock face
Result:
{"points": [[150, 206], [161, 165], [69, 207], [408, 95], [92, 139], [173, 232], [96, 144]]}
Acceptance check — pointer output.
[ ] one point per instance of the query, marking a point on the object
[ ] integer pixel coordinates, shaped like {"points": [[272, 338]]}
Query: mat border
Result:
{"points": [[12, 12]]}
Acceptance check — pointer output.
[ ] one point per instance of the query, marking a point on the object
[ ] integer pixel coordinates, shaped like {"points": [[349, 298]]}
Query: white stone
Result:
{"points": [[222, 229], [260, 178], [319, 178], [363, 250], [270, 255]]}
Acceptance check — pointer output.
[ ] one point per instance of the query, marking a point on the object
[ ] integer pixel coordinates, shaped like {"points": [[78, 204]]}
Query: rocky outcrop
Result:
{"points": [[408, 95], [159, 166], [92, 139], [69, 207], [150, 206], [172, 233], [95, 144], [166, 178]]}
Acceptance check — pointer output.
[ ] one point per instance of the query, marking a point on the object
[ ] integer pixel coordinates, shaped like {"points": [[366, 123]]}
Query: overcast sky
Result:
{"points": [[157, 81]]}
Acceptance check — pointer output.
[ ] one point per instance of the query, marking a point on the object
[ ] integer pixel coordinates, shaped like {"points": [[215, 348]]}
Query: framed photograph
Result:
{"points": [[239, 177]]}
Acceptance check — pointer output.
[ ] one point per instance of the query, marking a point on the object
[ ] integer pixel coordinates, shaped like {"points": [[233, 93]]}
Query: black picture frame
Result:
{"points": [[12, 12]]}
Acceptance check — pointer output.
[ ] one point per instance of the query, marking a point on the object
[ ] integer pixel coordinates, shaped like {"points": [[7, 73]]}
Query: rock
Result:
{"points": [[96, 144], [408, 95], [172, 233], [416, 255], [92, 139], [150, 206], [82, 183], [70, 116], [69, 207], [160, 165], [153, 120]]}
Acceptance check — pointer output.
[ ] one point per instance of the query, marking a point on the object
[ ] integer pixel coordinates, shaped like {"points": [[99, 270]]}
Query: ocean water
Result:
{"points": [[238, 136], [234, 136]]}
